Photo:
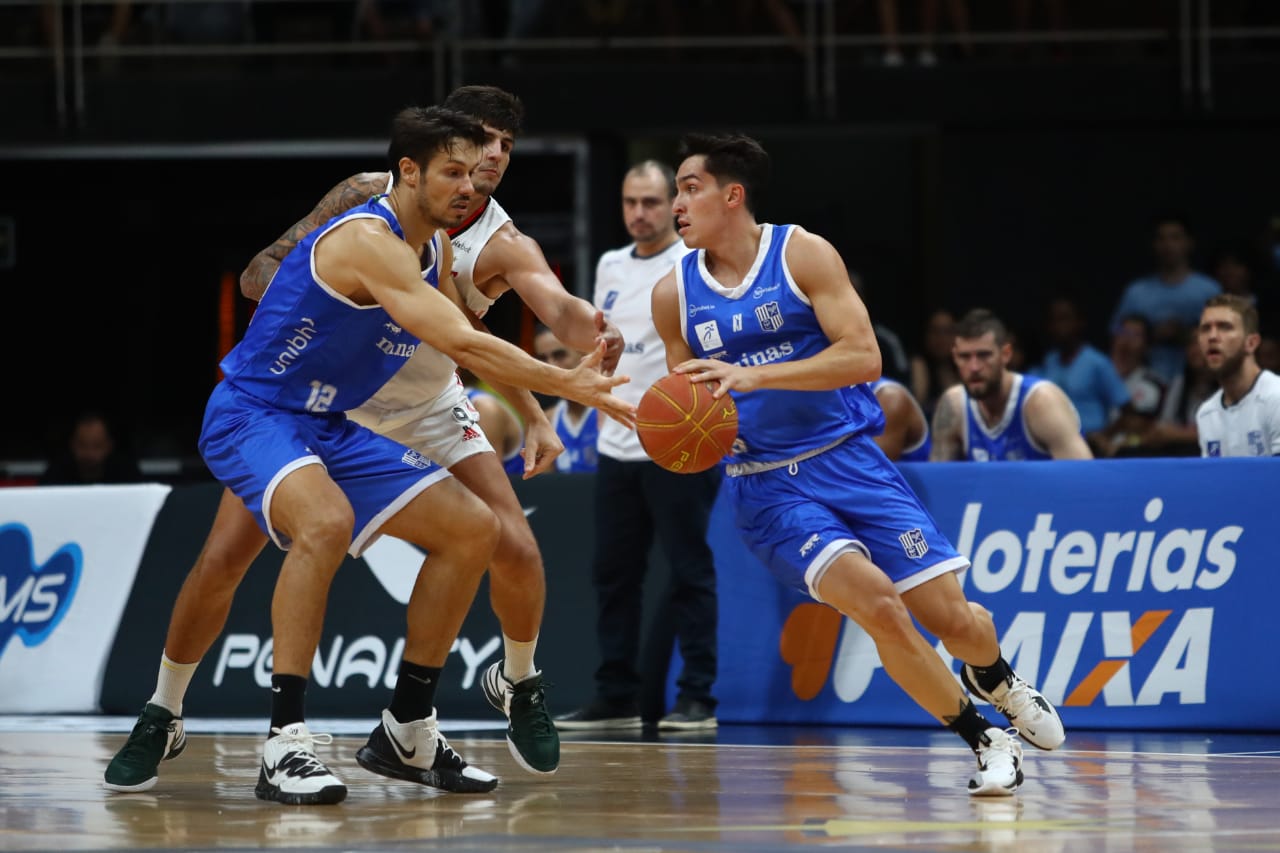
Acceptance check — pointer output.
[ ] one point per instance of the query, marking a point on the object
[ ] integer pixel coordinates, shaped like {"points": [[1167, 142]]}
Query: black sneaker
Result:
{"points": [[689, 715], [601, 715], [157, 736], [417, 752], [531, 735]]}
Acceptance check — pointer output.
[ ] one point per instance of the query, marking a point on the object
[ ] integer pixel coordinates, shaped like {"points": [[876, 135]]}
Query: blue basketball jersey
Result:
{"points": [[579, 439], [311, 349], [767, 319], [1007, 441], [513, 464], [919, 452]]}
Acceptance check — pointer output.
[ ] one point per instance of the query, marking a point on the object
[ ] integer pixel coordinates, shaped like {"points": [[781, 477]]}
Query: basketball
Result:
{"points": [[683, 427]]}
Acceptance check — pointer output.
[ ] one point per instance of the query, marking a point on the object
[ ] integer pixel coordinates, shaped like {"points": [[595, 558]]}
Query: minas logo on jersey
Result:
{"points": [[34, 597], [1119, 614]]}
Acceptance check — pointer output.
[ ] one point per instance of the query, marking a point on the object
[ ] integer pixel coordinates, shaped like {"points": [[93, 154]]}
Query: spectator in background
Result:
{"points": [[577, 425], [637, 501], [933, 370], [893, 356], [1243, 417], [1086, 375], [1268, 354], [1132, 431], [91, 456], [1175, 432], [997, 414], [1170, 298]]}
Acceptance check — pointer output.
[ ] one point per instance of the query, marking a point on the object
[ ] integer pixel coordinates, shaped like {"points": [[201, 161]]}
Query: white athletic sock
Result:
{"points": [[171, 684], [517, 664]]}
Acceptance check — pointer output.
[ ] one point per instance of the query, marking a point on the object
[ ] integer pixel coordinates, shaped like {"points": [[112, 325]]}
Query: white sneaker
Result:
{"points": [[1036, 720], [417, 752], [999, 765], [291, 773]]}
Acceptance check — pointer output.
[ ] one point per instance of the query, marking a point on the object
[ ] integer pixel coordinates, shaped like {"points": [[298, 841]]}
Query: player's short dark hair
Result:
{"points": [[419, 133], [667, 173], [979, 322], [1248, 313], [732, 158], [490, 105]]}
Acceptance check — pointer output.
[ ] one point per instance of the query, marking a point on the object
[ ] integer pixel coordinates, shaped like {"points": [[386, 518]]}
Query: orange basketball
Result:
{"points": [[682, 427]]}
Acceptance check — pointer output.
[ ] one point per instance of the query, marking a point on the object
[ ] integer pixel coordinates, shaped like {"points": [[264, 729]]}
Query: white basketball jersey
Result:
{"points": [[1250, 427], [428, 372], [624, 287]]}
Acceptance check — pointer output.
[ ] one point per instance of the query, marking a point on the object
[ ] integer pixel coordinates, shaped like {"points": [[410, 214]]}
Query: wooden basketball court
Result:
{"points": [[739, 789]]}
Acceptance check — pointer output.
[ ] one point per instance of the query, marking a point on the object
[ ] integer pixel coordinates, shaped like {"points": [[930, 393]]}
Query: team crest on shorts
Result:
{"points": [[914, 544], [416, 459]]}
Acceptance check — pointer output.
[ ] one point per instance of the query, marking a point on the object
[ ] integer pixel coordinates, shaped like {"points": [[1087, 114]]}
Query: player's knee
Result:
{"points": [[886, 619], [326, 531], [477, 533], [517, 550]]}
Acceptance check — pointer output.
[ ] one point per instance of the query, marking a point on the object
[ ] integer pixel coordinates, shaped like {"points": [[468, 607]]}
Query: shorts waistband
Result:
{"points": [[740, 469]]}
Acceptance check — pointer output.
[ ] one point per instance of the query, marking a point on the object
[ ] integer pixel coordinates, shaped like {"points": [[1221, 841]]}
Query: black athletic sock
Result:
{"points": [[991, 677], [288, 695], [969, 724], [415, 694]]}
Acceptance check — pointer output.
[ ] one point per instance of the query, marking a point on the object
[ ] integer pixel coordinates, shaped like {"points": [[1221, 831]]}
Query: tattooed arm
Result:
{"points": [[355, 190], [948, 426]]}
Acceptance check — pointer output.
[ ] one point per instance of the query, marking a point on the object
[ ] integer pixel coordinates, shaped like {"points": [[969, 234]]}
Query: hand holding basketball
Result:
{"points": [[683, 427]]}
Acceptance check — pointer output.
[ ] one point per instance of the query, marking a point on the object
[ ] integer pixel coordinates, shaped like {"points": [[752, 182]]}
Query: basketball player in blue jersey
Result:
{"points": [[767, 312], [416, 407], [345, 310], [906, 430], [576, 426], [996, 414]]}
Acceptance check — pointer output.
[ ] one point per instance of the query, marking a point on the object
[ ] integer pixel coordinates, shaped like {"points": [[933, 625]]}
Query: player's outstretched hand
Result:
{"points": [[728, 377], [589, 386]]}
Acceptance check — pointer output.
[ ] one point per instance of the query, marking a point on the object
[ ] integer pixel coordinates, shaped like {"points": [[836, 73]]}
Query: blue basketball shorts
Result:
{"points": [[798, 519], [250, 447]]}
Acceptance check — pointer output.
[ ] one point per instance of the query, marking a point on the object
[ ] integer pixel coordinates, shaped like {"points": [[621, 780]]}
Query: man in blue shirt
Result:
{"points": [[1084, 373], [1170, 298]]}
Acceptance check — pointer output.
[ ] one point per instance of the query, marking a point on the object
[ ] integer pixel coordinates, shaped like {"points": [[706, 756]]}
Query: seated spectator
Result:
{"points": [[1175, 431], [91, 457], [1086, 375], [933, 371], [1243, 417], [1268, 354], [1170, 298], [996, 414], [1130, 433], [500, 423], [577, 426]]}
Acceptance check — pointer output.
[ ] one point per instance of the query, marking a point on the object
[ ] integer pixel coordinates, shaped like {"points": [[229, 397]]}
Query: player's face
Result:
{"points": [[547, 347], [981, 362], [646, 209], [446, 189], [494, 160], [1223, 341], [699, 206]]}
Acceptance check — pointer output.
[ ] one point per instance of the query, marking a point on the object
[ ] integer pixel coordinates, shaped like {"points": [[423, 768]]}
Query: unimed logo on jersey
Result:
{"points": [[1076, 652], [34, 598]]}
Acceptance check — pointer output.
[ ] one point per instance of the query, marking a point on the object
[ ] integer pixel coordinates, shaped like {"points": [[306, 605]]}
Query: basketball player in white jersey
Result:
{"points": [[1243, 417], [425, 407]]}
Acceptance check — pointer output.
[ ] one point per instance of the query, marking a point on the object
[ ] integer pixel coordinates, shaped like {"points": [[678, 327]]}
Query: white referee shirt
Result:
{"points": [[1251, 427], [624, 286]]}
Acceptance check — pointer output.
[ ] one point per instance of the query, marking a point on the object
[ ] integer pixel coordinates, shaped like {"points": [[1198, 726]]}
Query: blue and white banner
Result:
{"points": [[1136, 594], [68, 556]]}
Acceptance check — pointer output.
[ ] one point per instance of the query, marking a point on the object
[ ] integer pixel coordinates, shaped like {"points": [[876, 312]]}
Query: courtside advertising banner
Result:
{"points": [[1136, 594], [68, 556]]}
